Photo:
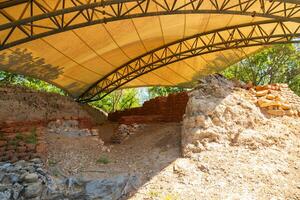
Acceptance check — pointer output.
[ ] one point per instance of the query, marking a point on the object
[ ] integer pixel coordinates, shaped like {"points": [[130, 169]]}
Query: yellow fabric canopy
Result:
{"points": [[74, 49]]}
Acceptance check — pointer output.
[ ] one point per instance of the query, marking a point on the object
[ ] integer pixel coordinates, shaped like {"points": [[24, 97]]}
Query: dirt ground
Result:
{"points": [[268, 170], [153, 153], [264, 162], [145, 153]]}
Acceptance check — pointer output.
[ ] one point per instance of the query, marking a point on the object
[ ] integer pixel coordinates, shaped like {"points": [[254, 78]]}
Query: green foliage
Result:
{"points": [[29, 139], [25, 81], [55, 172], [129, 98], [118, 100], [14, 142], [163, 91], [32, 138], [1, 135], [278, 64], [19, 137], [103, 160], [52, 163]]}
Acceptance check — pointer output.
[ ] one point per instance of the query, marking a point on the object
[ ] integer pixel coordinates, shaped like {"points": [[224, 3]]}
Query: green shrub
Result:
{"points": [[32, 138], [1, 136], [14, 142], [19, 137], [52, 162], [103, 160]]}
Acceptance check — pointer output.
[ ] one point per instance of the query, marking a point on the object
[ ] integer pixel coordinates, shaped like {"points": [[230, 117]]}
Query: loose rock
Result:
{"points": [[30, 178], [39, 184]]}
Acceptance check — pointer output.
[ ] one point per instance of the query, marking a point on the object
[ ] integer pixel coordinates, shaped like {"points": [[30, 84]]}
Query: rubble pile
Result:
{"points": [[69, 128], [220, 112], [232, 147], [30, 180], [124, 131], [276, 99]]}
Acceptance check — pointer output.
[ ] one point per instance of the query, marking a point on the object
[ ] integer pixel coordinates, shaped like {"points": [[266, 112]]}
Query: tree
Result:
{"points": [[163, 91], [118, 100], [278, 64], [36, 84]]}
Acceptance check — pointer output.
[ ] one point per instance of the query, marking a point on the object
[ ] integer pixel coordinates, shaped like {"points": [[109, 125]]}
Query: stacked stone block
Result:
{"points": [[276, 100]]}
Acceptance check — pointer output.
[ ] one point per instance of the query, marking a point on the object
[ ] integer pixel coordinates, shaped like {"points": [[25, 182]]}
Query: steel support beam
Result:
{"points": [[67, 18], [264, 33], [10, 3]]}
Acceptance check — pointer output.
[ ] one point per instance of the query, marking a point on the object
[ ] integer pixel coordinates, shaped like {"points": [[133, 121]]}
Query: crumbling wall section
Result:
{"points": [[221, 113], [22, 141], [22, 104], [26, 115], [160, 109]]}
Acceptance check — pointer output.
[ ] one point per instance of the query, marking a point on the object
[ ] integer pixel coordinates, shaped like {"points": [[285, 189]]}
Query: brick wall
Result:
{"points": [[22, 140], [160, 109], [25, 115], [21, 104]]}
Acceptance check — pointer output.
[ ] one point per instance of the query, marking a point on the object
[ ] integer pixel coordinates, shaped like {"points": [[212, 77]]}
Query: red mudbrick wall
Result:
{"points": [[160, 109], [22, 140], [25, 111]]}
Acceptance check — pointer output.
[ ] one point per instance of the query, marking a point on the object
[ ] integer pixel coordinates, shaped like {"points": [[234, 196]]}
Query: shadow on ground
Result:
{"points": [[144, 155]]}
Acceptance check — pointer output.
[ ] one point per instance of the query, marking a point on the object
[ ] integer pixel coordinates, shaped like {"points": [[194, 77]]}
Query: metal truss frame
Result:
{"points": [[63, 18], [263, 33]]}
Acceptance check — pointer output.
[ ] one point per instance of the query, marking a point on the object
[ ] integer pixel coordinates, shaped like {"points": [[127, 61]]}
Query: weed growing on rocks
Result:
{"points": [[103, 160], [52, 162]]}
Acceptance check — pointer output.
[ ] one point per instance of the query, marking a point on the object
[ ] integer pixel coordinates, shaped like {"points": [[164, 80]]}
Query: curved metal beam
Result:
{"points": [[265, 33], [11, 3], [113, 10]]}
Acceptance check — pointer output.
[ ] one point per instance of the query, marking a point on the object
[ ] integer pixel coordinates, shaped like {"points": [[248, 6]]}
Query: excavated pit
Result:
{"points": [[235, 141], [239, 142]]}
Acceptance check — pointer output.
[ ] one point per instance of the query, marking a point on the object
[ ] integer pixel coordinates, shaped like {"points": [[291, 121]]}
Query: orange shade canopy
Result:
{"points": [[92, 47]]}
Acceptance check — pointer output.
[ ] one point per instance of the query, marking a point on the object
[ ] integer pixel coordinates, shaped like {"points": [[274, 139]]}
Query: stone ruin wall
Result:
{"points": [[159, 109], [217, 110], [27, 115], [222, 112]]}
